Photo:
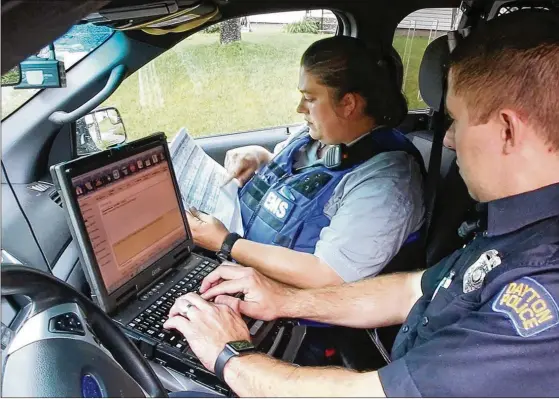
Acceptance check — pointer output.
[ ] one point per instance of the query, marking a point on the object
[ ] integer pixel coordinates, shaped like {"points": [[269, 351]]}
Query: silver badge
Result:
{"points": [[474, 276]]}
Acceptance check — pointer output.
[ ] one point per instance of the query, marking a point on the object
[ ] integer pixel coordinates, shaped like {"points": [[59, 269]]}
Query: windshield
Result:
{"points": [[70, 48]]}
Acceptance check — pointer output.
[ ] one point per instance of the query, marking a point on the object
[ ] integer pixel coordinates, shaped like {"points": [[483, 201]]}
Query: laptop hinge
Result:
{"points": [[155, 282]]}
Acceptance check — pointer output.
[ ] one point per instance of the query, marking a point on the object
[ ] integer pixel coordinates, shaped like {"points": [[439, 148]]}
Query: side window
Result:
{"points": [[411, 38], [238, 75]]}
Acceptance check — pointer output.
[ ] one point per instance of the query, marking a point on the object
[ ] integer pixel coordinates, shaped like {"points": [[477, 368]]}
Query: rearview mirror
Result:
{"points": [[99, 130], [12, 77]]}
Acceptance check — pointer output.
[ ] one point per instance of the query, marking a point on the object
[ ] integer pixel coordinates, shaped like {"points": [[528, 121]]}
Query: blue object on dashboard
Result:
{"points": [[91, 387]]}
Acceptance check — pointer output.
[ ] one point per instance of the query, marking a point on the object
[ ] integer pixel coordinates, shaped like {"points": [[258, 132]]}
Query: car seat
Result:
{"points": [[452, 206]]}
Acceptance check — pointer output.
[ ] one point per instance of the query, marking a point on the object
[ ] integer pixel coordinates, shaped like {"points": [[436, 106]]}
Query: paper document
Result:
{"points": [[200, 181]]}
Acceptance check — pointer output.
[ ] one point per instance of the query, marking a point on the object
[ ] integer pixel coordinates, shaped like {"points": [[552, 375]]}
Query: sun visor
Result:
{"points": [[156, 18], [433, 70]]}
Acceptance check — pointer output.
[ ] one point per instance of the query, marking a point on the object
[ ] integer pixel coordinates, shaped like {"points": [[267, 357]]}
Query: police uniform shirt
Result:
{"points": [[488, 321]]}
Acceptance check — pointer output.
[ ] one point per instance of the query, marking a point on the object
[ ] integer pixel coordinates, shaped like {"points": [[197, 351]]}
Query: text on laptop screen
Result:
{"points": [[131, 214]]}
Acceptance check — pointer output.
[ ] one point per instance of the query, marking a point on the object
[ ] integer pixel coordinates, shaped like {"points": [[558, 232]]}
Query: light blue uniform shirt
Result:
{"points": [[373, 210]]}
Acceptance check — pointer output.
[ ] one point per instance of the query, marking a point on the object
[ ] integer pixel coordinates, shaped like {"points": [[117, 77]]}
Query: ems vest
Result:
{"points": [[284, 208]]}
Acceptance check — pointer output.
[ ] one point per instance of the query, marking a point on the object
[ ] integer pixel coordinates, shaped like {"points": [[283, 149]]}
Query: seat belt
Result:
{"points": [[439, 131], [434, 168], [432, 180]]}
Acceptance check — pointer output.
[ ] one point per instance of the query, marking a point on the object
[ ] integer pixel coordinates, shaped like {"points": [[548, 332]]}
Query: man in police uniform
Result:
{"points": [[482, 322]]}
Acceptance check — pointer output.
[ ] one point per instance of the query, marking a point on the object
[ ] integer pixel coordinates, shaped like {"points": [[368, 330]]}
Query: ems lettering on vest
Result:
{"points": [[529, 305], [277, 205]]}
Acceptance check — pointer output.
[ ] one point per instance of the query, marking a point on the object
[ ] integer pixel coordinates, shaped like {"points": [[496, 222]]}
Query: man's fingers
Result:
{"points": [[226, 287], [243, 307], [179, 307], [231, 301], [178, 323], [226, 271], [197, 302]]}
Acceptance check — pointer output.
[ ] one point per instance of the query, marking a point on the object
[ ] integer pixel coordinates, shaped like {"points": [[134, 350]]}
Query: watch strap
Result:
{"points": [[227, 354], [225, 251]]}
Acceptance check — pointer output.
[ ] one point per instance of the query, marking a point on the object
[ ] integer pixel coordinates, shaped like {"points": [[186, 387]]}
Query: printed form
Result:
{"points": [[200, 180]]}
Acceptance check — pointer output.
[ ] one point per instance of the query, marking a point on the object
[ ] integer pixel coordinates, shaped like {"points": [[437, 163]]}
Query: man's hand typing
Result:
{"points": [[206, 326], [264, 298]]}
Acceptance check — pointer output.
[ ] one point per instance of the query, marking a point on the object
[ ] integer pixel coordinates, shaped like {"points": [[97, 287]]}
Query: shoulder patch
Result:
{"points": [[529, 305]]}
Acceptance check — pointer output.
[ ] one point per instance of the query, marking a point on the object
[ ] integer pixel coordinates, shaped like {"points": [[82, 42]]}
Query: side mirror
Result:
{"points": [[99, 130], [12, 77]]}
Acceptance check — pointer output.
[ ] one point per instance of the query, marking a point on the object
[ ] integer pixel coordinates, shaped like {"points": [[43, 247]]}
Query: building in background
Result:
{"points": [[426, 22]]}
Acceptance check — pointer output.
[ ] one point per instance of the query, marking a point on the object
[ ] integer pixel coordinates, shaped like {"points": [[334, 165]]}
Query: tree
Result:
{"points": [[230, 31]]}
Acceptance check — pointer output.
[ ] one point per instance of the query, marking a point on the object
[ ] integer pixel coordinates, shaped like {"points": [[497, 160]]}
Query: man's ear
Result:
{"points": [[513, 130]]}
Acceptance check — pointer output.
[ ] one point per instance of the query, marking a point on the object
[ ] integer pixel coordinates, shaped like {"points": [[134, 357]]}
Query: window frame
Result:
{"points": [[65, 70]]}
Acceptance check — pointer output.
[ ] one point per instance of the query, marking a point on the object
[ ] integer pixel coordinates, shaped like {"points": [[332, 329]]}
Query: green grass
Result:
{"points": [[215, 89], [11, 77], [411, 85]]}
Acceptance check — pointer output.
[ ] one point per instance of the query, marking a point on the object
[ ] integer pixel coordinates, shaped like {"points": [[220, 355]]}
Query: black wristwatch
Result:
{"points": [[232, 349], [224, 252]]}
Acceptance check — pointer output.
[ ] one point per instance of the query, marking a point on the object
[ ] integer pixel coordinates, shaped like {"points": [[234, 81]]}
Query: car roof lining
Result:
{"points": [[373, 19], [51, 18]]}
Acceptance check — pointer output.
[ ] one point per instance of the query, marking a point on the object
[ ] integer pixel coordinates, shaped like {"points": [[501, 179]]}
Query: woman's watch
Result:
{"points": [[232, 349], [224, 252]]}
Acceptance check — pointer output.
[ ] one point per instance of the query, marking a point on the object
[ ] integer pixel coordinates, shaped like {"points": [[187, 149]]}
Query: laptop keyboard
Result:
{"points": [[150, 321]]}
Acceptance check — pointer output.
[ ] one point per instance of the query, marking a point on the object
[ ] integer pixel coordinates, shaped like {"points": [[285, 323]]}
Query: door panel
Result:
{"points": [[217, 146]]}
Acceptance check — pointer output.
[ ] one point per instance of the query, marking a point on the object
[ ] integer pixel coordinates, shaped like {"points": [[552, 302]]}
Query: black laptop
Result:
{"points": [[125, 213]]}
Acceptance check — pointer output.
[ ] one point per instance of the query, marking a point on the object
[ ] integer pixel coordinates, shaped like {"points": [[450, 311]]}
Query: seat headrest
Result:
{"points": [[398, 66], [433, 70]]}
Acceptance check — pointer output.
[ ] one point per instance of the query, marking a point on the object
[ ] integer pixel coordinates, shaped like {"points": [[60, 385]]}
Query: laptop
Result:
{"points": [[124, 210]]}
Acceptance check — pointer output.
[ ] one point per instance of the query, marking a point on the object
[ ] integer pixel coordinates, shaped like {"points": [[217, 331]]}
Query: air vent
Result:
{"points": [[55, 197], [39, 186]]}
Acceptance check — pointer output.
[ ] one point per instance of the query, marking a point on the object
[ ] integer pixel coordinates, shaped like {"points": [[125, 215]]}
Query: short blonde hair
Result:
{"points": [[512, 62]]}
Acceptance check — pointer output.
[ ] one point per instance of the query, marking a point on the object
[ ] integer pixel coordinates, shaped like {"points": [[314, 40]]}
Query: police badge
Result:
{"points": [[474, 276]]}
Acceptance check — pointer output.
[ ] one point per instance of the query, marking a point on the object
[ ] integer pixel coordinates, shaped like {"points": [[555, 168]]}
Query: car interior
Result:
{"points": [[42, 132]]}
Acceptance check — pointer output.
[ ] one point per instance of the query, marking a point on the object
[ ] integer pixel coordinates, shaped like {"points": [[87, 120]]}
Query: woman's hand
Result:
{"points": [[207, 231], [241, 163]]}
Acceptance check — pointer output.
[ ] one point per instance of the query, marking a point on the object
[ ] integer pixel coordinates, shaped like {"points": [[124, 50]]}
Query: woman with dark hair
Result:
{"points": [[339, 199]]}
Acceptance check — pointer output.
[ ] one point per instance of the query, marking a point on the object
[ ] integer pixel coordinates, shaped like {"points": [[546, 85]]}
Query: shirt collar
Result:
{"points": [[509, 214], [379, 127]]}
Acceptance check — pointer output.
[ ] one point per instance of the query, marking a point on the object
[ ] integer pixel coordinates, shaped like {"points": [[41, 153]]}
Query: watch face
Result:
{"points": [[241, 346]]}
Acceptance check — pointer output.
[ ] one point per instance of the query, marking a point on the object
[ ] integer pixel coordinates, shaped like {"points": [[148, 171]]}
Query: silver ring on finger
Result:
{"points": [[185, 312]]}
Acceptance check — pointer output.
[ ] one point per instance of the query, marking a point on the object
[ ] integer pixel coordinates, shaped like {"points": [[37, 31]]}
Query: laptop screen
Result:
{"points": [[131, 214]]}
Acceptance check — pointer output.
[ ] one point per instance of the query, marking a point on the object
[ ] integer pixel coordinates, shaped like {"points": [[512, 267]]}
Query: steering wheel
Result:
{"points": [[66, 346]]}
